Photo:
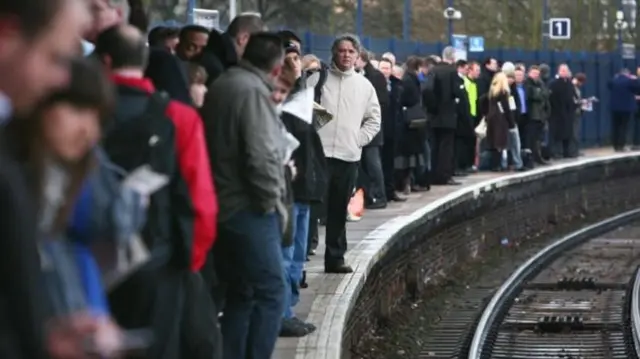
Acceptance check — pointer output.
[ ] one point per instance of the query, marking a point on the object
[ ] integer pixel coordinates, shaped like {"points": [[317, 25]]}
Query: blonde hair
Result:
{"points": [[499, 85]]}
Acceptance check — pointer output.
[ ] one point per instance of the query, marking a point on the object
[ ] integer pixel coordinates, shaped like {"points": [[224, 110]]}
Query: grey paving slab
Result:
{"points": [[320, 303]]}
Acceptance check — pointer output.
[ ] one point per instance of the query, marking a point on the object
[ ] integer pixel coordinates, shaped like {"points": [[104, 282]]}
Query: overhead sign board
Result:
{"points": [[560, 28], [476, 44], [459, 43], [628, 51], [207, 18]]}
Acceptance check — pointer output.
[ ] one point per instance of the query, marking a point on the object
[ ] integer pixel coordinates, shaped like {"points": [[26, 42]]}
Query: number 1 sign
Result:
{"points": [[560, 29]]}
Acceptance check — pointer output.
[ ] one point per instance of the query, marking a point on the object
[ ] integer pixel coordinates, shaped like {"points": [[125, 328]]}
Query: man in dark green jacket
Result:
{"points": [[537, 96]]}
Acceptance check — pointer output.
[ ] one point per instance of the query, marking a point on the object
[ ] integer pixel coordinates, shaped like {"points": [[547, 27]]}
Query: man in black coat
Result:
{"points": [[371, 177], [444, 117], [562, 113], [465, 135], [486, 76]]}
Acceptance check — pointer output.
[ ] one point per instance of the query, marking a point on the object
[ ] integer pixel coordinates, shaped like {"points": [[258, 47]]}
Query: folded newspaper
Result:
{"points": [[321, 116]]}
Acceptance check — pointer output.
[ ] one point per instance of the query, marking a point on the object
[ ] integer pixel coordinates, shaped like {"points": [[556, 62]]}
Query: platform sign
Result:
{"points": [[207, 18], [476, 44], [628, 51], [560, 28], [459, 43]]}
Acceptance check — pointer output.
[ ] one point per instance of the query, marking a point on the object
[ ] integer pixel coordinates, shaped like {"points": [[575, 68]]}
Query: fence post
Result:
{"points": [[359, 18], [406, 21], [449, 25]]}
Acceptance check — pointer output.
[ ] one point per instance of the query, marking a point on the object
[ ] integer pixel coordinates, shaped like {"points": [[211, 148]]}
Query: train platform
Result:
{"points": [[317, 302]]}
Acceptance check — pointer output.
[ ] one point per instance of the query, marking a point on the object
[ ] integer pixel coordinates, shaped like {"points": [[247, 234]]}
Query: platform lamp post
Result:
{"points": [[191, 5], [545, 21], [450, 14], [359, 18]]}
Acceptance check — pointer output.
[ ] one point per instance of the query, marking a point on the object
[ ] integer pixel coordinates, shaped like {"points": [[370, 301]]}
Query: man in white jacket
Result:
{"points": [[356, 120]]}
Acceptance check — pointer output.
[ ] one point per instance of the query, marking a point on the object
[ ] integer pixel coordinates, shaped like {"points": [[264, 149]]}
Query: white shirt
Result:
{"points": [[87, 47]]}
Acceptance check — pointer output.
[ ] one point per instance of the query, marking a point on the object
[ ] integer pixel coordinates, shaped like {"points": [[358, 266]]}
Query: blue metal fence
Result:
{"points": [[599, 68]]}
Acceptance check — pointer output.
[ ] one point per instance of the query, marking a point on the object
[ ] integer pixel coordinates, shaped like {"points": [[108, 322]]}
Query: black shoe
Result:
{"points": [[310, 327], [292, 328], [322, 221], [460, 174], [312, 252], [339, 269], [449, 183], [396, 198], [376, 205], [303, 282], [419, 189]]}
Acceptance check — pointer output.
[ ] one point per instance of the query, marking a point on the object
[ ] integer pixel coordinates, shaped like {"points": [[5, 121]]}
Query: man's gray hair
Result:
{"points": [[123, 6], [449, 54], [354, 39], [508, 68]]}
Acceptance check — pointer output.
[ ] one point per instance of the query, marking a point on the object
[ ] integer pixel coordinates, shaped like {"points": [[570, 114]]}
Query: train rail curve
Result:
{"points": [[577, 298]]}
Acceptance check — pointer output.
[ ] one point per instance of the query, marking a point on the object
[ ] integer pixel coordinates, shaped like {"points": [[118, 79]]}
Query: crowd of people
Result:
{"points": [[163, 191]]}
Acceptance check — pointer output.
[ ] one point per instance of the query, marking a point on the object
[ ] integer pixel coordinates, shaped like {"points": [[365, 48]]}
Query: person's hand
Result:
{"points": [[294, 170], [108, 338], [66, 337], [82, 336]]}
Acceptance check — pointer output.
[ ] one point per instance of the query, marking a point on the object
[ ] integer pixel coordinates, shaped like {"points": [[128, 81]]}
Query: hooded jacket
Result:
{"points": [[200, 210]]}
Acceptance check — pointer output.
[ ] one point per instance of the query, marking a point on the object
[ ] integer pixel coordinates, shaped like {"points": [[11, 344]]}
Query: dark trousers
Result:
{"points": [[523, 127], [249, 260], [153, 298], [341, 176], [636, 130], [619, 127], [200, 330], [371, 177], [465, 151], [387, 158], [442, 152], [533, 139], [312, 235], [574, 150]]}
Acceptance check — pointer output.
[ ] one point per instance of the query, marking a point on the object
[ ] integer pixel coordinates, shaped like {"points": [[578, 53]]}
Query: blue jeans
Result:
{"points": [[248, 256], [513, 146], [294, 257], [484, 164]]}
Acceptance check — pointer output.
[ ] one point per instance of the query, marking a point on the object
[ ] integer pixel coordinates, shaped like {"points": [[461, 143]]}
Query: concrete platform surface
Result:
{"points": [[322, 287]]}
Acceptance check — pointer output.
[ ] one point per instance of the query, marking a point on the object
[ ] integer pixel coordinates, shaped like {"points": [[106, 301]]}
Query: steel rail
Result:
{"points": [[510, 287], [635, 311]]}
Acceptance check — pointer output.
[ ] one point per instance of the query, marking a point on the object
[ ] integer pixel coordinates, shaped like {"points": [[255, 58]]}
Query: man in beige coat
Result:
{"points": [[356, 120]]}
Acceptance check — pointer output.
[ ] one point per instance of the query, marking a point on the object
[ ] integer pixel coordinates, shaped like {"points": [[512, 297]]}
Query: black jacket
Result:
{"points": [[379, 83], [392, 121], [169, 74], [563, 108], [24, 306], [517, 113], [484, 81], [310, 183], [447, 89], [412, 139]]}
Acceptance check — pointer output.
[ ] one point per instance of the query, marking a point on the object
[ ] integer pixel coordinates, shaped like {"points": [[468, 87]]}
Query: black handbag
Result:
{"points": [[415, 116]]}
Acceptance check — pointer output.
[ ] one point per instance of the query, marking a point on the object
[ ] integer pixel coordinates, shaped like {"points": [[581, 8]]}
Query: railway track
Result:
{"points": [[578, 298]]}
